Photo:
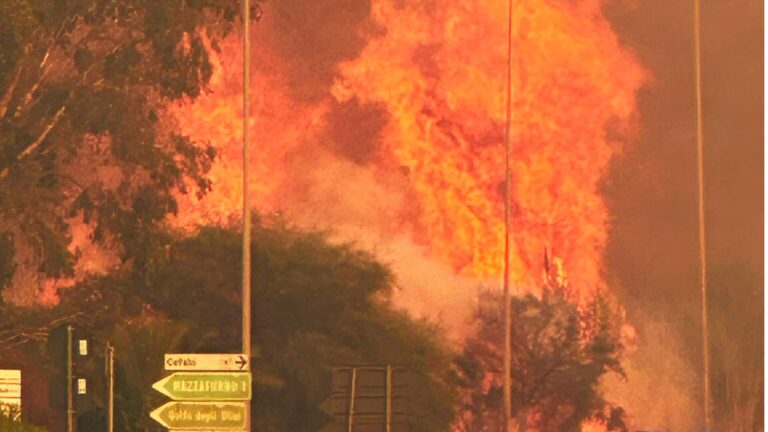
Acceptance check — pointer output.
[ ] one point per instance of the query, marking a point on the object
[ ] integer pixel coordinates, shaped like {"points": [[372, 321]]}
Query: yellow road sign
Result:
{"points": [[206, 386], [206, 416], [206, 362]]}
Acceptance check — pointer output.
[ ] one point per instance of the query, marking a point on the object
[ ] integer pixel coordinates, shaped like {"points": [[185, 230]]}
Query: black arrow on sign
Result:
{"points": [[242, 361]]}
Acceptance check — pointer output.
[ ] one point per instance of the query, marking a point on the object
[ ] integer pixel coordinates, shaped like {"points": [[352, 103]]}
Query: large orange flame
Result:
{"points": [[593, 425], [438, 71], [216, 116], [440, 68]]}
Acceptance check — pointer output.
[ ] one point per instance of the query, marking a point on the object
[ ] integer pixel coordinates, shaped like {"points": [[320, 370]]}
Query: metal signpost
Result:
{"points": [[110, 388], [70, 396], [368, 399], [210, 392], [211, 381]]}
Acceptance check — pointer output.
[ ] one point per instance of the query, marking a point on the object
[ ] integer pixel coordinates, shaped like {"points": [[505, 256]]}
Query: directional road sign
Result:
{"points": [[10, 383], [10, 391], [206, 362], [207, 416], [369, 398], [207, 386]]}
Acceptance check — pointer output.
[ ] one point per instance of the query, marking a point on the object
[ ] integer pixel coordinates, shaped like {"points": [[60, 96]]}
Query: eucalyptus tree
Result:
{"points": [[85, 132]]}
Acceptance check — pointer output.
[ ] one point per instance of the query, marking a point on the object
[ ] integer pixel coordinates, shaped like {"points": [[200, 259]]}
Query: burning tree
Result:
{"points": [[559, 353], [85, 139]]}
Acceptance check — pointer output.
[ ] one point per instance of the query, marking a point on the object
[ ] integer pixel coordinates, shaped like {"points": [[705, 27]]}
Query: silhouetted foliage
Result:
{"points": [[316, 306], [9, 423], [559, 353]]}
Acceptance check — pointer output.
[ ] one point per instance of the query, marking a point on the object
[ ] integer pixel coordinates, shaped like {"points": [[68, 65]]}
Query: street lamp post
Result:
{"points": [[246, 287]]}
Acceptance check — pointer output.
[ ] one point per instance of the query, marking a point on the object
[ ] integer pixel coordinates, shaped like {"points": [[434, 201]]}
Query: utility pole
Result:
{"points": [[352, 391], [70, 396], [110, 387], [388, 395], [507, 240], [246, 294], [702, 219], [246, 288]]}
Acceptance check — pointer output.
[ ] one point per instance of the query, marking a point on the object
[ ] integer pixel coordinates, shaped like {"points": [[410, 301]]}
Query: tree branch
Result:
{"points": [[14, 337], [37, 142], [6, 100], [70, 179], [42, 67]]}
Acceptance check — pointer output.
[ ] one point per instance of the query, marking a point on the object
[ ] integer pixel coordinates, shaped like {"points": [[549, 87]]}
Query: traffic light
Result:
{"points": [[88, 379], [73, 350], [57, 353]]}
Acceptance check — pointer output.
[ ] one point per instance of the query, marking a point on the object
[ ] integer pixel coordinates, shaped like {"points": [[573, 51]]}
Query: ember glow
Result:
{"points": [[594, 426]]}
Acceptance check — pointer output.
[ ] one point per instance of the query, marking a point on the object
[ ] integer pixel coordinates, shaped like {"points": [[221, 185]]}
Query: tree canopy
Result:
{"points": [[559, 353], [84, 131], [316, 306]]}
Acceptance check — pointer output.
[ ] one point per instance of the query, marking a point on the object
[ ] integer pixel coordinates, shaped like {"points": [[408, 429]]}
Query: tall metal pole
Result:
{"points": [[389, 399], [246, 165], [352, 395], [246, 288], [110, 388], [70, 396], [702, 226], [507, 239]]}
